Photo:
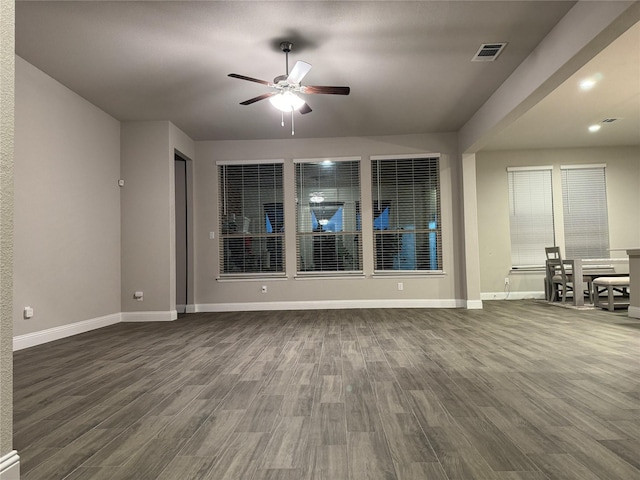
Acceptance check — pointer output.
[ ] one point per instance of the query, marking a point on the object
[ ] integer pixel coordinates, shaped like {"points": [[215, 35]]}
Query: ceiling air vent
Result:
{"points": [[488, 52], [609, 120]]}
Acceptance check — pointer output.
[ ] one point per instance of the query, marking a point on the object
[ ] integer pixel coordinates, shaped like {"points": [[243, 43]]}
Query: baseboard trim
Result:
{"points": [[474, 304], [10, 466], [162, 316], [329, 305], [21, 342], [56, 333], [512, 296], [634, 312]]}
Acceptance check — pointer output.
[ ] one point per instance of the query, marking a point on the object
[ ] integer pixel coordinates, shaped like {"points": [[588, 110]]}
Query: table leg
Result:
{"points": [[578, 284]]}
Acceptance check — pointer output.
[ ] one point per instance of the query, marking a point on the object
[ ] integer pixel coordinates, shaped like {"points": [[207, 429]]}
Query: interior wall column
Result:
{"points": [[471, 247], [9, 459]]}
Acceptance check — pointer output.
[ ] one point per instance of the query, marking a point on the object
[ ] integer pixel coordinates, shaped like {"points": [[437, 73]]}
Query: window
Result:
{"points": [[584, 201], [406, 213], [328, 235], [530, 214], [251, 218]]}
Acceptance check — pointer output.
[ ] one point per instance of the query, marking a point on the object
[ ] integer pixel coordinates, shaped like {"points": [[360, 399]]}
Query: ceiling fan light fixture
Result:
{"points": [[286, 101], [316, 197]]}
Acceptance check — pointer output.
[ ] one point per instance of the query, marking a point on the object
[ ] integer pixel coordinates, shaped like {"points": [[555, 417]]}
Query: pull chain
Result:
{"points": [[292, 131]]}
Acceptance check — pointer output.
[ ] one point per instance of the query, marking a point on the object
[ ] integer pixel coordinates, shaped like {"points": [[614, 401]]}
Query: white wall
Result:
{"points": [[85, 244], [148, 217], [67, 205], [623, 200], [7, 102], [434, 290]]}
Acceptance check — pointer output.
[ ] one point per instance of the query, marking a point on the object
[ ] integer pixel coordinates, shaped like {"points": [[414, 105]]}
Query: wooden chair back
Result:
{"points": [[553, 253], [556, 267]]}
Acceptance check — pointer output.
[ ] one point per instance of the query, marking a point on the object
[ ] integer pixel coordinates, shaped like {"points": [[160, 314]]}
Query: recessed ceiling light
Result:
{"points": [[590, 82], [594, 128], [587, 84]]}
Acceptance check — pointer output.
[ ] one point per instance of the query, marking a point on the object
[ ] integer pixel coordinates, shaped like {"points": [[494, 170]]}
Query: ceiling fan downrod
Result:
{"points": [[286, 48]]}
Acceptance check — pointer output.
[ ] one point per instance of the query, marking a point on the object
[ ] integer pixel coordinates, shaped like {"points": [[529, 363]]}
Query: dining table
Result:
{"points": [[593, 267]]}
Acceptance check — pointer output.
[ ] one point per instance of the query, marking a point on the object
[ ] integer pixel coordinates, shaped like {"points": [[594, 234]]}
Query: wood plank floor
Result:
{"points": [[520, 390]]}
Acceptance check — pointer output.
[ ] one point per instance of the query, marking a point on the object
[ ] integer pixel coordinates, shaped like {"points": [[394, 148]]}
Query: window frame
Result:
{"points": [[437, 231], [262, 235], [550, 239], [585, 201], [356, 234]]}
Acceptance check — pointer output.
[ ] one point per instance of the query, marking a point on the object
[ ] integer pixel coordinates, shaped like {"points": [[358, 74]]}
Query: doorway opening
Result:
{"points": [[182, 234]]}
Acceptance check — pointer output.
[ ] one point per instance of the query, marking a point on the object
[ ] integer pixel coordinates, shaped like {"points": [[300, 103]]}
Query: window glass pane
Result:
{"points": [[251, 218], [406, 214], [328, 216], [586, 224], [530, 216]]}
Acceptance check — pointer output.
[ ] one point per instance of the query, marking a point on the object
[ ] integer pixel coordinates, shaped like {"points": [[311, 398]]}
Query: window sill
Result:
{"points": [[409, 273], [251, 277], [525, 270], [328, 275]]}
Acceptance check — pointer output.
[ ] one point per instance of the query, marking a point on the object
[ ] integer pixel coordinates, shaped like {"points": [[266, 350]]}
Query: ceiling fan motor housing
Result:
{"points": [[286, 46], [279, 79]]}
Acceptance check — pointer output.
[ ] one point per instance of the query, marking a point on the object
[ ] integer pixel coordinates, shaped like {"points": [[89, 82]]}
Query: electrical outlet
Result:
{"points": [[506, 281], [28, 312], [264, 289], [400, 286], [139, 296]]}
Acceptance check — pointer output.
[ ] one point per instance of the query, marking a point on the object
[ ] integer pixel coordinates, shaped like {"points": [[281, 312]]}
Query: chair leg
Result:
{"points": [[610, 295]]}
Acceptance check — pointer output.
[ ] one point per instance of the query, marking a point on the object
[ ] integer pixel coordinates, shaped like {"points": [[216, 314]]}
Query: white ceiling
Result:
{"points": [[408, 64], [563, 117]]}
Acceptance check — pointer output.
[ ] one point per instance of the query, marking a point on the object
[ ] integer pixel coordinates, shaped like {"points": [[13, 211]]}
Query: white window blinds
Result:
{"points": [[328, 236], [407, 226], [251, 218], [530, 215], [584, 199]]}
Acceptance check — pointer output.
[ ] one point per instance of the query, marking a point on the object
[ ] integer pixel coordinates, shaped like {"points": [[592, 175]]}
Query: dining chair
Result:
{"points": [[559, 277], [552, 253], [560, 281]]}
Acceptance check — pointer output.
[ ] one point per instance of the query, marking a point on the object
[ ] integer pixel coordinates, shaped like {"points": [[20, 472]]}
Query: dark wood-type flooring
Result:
{"points": [[520, 390]]}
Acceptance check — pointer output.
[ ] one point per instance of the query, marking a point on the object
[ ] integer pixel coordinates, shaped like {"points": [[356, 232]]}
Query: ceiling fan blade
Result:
{"points": [[258, 98], [305, 109], [300, 69], [310, 89], [250, 79]]}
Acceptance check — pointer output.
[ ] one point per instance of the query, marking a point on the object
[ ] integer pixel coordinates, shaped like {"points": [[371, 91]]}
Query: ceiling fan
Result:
{"points": [[287, 87]]}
